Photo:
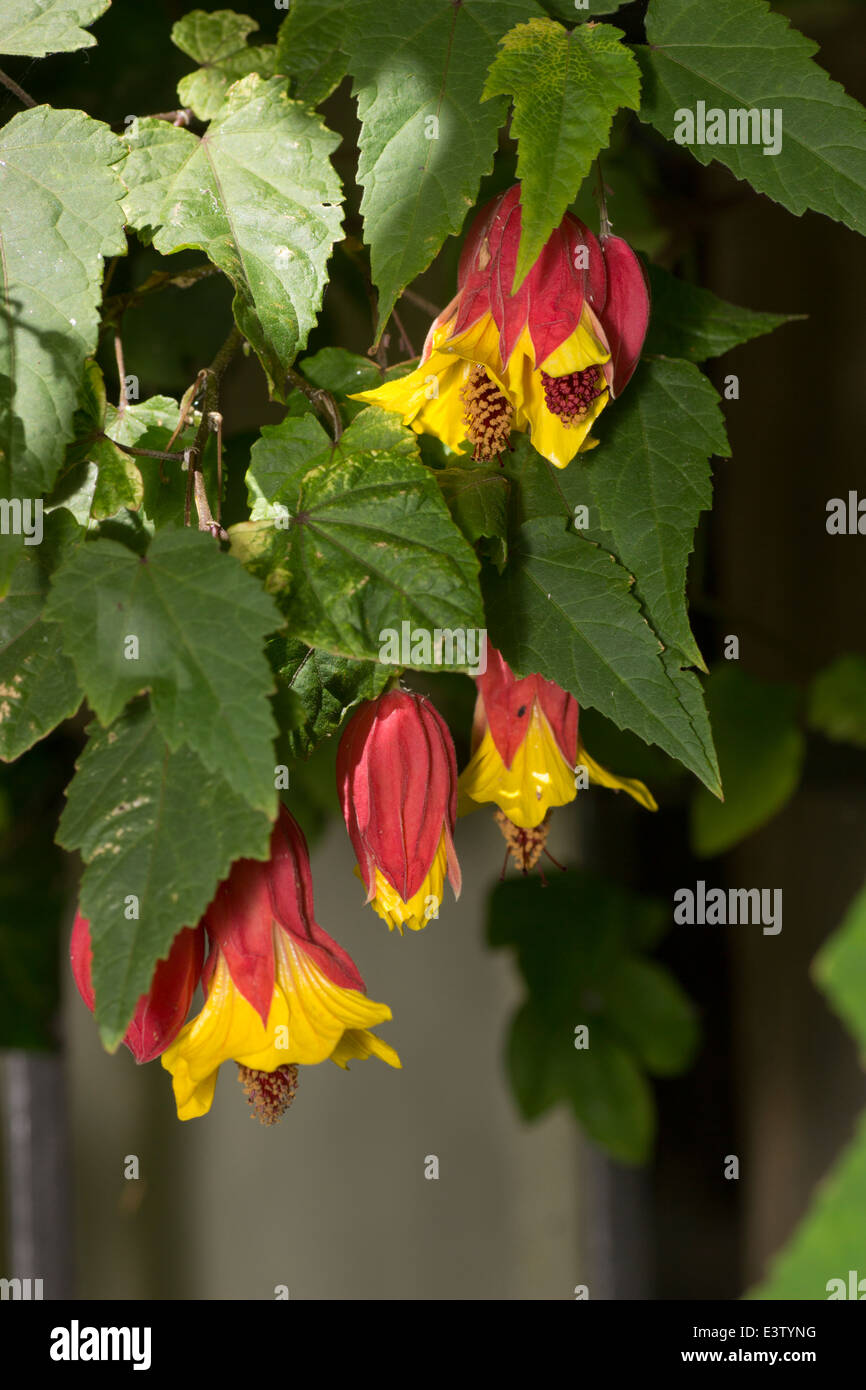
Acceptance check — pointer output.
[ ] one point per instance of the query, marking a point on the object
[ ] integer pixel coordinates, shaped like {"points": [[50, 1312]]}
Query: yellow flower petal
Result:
{"points": [[428, 398], [422, 906], [309, 1019], [362, 1044], [539, 776], [599, 776], [557, 441]]}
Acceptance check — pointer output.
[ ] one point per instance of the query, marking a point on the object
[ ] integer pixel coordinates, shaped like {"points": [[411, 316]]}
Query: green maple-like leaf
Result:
{"points": [[689, 321], [218, 41], [308, 48], [637, 1018], [738, 55], [327, 687], [257, 193], [198, 622], [837, 701], [477, 499], [564, 608], [425, 142], [60, 215], [38, 684], [354, 538], [650, 479], [157, 831], [640, 495], [98, 479], [33, 28], [566, 88]]}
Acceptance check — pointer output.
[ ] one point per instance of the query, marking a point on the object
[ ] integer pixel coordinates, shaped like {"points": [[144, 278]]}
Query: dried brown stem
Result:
{"points": [[404, 336], [121, 371], [195, 481], [321, 401], [19, 92], [117, 304], [421, 303]]}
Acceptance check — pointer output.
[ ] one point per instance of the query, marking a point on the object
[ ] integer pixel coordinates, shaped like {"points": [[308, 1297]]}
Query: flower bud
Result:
{"points": [[397, 782]]}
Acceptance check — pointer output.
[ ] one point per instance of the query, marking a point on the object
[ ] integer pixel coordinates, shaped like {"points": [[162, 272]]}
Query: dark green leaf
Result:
{"points": [[186, 623], [651, 480], [688, 321], [308, 48], [158, 831], [837, 701], [576, 951], [425, 142], [563, 608], [38, 685], [477, 499], [828, 1244], [840, 969], [743, 57], [354, 538], [761, 751], [327, 688]]}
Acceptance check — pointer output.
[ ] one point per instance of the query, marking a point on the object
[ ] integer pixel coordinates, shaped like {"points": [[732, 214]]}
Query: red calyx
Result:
{"points": [[161, 1012], [508, 703]]}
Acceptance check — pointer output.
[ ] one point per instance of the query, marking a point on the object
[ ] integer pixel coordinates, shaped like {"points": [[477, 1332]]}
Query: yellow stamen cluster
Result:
{"points": [[525, 846], [270, 1093], [488, 415]]}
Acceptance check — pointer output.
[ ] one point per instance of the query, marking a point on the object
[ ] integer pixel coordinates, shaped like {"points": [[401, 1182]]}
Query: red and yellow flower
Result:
{"points": [[280, 992], [397, 781], [527, 756], [546, 358]]}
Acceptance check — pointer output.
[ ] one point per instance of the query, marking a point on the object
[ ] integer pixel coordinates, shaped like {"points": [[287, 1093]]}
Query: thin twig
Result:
{"points": [[422, 303], [186, 405], [321, 400], [216, 424], [404, 336], [214, 373], [19, 92], [601, 198], [117, 304], [136, 452], [121, 371]]}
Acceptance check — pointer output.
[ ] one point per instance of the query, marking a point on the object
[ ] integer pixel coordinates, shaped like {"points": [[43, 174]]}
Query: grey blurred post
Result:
{"points": [[38, 1180], [614, 1214]]}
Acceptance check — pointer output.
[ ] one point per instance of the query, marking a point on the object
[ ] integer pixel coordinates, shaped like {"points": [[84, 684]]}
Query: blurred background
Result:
{"points": [[334, 1202]]}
